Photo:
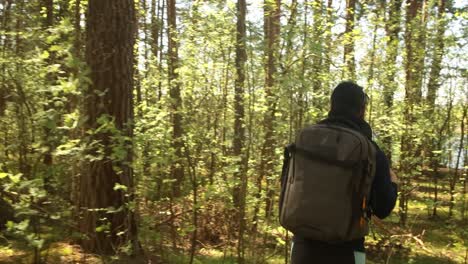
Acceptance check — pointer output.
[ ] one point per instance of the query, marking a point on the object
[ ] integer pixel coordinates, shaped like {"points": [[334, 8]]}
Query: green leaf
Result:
{"points": [[119, 186], [15, 178], [45, 55]]}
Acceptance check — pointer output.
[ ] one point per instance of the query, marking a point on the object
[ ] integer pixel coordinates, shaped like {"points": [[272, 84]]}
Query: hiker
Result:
{"points": [[334, 178]]}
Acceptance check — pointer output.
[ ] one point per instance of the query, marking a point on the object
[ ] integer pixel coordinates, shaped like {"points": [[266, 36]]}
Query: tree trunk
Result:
{"points": [[415, 48], [413, 78], [301, 96], [317, 33], [155, 27], [434, 76], [107, 220], [435, 158], [4, 89], [432, 88], [392, 29], [328, 46], [370, 73], [349, 59], [77, 43], [464, 183], [454, 179], [267, 162], [51, 117], [177, 167], [240, 190]]}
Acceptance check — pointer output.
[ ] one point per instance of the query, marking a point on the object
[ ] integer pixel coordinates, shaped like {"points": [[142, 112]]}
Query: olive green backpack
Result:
{"points": [[325, 185]]}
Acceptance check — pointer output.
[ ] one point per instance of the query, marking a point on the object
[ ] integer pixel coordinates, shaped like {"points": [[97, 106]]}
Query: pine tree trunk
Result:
{"points": [[328, 46], [177, 167], [455, 178], [4, 89], [240, 190], [439, 48], [110, 32], [435, 159], [392, 29], [432, 88], [48, 108], [155, 27], [267, 162], [317, 39], [413, 78], [464, 184], [349, 59], [370, 73], [77, 29]]}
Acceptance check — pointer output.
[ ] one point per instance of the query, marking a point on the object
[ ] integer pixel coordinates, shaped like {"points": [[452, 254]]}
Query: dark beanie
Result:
{"points": [[347, 98]]}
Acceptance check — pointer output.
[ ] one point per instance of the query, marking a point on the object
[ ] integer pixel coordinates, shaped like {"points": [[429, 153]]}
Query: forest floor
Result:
{"points": [[425, 240]]}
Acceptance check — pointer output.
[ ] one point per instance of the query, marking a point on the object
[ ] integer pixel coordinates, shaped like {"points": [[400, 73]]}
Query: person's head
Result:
{"points": [[347, 99]]}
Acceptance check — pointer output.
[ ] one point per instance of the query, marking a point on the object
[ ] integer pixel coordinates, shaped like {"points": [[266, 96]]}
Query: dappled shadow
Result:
{"points": [[419, 259]]}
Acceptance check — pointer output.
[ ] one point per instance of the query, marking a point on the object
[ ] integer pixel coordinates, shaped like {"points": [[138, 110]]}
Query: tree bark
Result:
{"points": [[4, 89], [349, 59], [317, 33], [415, 48], [107, 220], [392, 29], [413, 79], [434, 158], [177, 167], [155, 28], [439, 47], [267, 164], [48, 107], [454, 179], [77, 43], [240, 190], [432, 88]]}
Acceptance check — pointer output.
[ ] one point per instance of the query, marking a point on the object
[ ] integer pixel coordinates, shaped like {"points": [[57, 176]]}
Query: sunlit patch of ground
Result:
{"points": [[60, 252], [66, 253], [9, 255], [426, 239]]}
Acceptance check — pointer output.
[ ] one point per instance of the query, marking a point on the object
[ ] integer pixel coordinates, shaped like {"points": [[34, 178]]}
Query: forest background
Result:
{"points": [[153, 130]]}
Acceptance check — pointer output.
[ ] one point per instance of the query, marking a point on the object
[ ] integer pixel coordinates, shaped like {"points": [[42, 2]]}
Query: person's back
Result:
{"points": [[348, 103]]}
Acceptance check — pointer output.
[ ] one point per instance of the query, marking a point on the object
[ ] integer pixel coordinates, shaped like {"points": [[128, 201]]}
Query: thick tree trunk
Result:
{"points": [[107, 221]]}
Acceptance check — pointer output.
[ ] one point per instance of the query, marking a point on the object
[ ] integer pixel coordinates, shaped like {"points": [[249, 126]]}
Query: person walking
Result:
{"points": [[335, 177]]}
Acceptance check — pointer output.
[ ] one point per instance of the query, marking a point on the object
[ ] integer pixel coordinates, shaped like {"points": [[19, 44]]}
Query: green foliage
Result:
{"points": [[44, 88]]}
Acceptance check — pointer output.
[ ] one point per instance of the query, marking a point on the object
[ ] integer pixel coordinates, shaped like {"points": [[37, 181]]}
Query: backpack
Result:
{"points": [[325, 184]]}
